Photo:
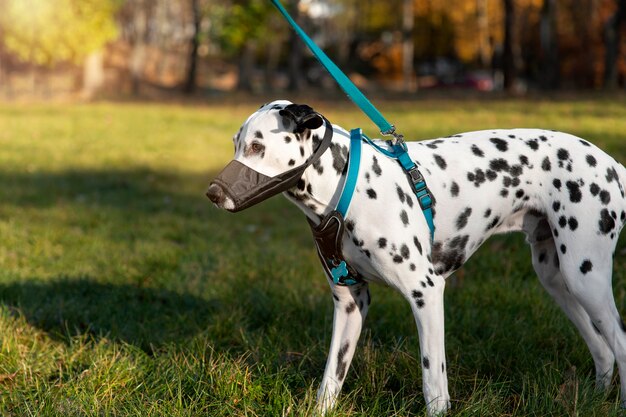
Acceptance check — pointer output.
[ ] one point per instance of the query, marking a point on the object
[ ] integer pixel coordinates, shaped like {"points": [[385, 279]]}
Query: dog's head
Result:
{"points": [[272, 149]]}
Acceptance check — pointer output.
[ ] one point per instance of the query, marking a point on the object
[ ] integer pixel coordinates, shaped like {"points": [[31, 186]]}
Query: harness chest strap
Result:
{"points": [[328, 234]]}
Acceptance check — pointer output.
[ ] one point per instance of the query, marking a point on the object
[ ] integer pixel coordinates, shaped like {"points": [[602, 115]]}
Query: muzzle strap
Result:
{"points": [[247, 187]]}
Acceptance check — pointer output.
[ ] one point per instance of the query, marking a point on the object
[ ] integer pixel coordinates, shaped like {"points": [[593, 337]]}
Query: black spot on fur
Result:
{"points": [[287, 139], [542, 257], [401, 194], [351, 307], [441, 163], [404, 251], [606, 223], [546, 165], [557, 184], [586, 266], [371, 193], [556, 206], [341, 364], [340, 155], [563, 249], [519, 193], [477, 151], [611, 175], [487, 213], [493, 223], [533, 144], [291, 162], [501, 145], [461, 221], [258, 134], [376, 167], [594, 188], [562, 154], [398, 259], [516, 170], [417, 244], [504, 192], [412, 267], [382, 243], [499, 165], [454, 189], [404, 217], [574, 191], [605, 197], [562, 221], [491, 175], [477, 177], [573, 223], [591, 160], [426, 363], [350, 225], [524, 160], [584, 142]]}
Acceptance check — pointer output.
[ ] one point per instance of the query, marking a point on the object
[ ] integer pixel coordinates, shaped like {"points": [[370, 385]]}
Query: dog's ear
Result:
{"points": [[303, 116]]}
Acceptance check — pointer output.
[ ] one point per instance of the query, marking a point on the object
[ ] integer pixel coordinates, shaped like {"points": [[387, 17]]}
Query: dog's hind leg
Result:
{"points": [[546, 263], [589, 280], [351, 305]]}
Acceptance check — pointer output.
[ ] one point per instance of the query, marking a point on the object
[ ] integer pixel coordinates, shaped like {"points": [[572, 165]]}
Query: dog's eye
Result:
{"points": [[256, 147]]}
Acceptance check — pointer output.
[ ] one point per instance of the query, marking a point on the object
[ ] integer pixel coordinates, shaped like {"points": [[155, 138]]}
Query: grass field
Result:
{"points": [[123, 292]]}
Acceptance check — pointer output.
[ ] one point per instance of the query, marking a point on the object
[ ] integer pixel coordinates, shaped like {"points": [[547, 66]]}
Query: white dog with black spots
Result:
{"points": [[564, 193]]}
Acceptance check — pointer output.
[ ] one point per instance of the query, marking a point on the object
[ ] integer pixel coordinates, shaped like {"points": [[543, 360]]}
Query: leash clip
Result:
{"points": [[397, 137]]}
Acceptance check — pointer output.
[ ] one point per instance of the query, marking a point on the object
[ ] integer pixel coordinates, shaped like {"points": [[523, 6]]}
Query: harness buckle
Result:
{"points": [[397, 137], [416, 177]]}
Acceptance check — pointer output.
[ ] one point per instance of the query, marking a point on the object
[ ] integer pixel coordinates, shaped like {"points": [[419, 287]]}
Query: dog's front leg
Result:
{"points": [[426, 297], [351, 305]]}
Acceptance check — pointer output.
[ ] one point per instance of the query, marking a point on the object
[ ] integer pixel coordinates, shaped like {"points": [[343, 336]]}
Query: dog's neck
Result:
{"points": [[319, 189]]}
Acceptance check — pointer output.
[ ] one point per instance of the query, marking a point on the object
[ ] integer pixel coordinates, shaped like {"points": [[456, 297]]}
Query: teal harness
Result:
{"points": [[341, 273]]}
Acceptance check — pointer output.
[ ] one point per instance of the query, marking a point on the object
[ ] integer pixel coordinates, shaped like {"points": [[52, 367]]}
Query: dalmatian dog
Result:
{"points": [[564, 193]]}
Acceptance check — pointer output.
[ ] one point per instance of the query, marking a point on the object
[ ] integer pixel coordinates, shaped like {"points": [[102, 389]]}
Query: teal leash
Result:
{"points": [[344, 82], [398, 147]]}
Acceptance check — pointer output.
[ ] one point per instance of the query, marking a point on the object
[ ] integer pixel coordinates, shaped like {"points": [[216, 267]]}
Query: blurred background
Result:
{"points": [[157, 48]]}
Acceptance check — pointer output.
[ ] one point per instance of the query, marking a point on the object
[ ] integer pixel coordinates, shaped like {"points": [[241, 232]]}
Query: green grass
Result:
{"points": [[123, 292]]}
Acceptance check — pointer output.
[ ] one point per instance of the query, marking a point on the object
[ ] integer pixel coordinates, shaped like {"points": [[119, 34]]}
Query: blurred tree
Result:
{"points": [[48, 32], [549, 77], [192, 66], [509, 53], [612, 38], [296, 47], [408, 24], [244, 30]]}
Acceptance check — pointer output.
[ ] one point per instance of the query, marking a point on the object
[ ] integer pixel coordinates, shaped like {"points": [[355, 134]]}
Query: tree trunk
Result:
{"points": [[93, 74], [482, 18], [408, 23], [508, 54], [192, 68], [612, 41], [138, 54], [296, 81], [273, 58], [549, 77], [246, 66]]}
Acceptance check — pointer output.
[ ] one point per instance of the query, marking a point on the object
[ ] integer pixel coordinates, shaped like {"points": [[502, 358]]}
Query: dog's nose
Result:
{"points": [[215, 194]]}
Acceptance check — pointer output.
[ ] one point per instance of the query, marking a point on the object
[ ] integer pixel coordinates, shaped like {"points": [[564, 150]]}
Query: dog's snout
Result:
{"points": [[215, 194]]}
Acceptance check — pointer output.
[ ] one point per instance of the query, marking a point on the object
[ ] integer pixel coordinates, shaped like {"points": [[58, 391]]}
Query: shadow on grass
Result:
{"points": [[144, 317], [134, 189]]}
